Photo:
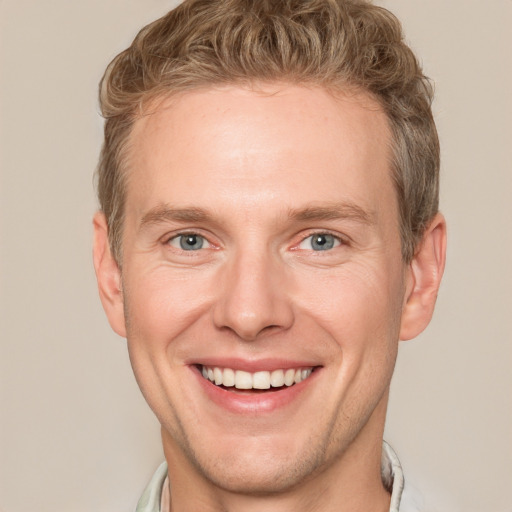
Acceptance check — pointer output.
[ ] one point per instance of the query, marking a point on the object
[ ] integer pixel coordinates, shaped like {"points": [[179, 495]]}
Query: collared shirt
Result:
{"points": [[155, 498]]}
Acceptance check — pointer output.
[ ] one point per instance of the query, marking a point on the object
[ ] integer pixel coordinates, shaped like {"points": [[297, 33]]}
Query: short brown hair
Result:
{"points": [[330, 43]]}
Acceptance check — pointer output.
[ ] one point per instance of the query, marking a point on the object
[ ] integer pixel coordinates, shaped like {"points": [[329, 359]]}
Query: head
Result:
{"points": [[347, 45], [268, 187]]}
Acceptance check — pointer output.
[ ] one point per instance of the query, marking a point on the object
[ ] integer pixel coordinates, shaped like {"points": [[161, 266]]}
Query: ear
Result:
{"points": [[423, 279], [108, 276]]}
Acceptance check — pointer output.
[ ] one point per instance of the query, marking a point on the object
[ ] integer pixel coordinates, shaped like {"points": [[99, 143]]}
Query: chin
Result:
{"points": [[258, 477], [254, 466]]}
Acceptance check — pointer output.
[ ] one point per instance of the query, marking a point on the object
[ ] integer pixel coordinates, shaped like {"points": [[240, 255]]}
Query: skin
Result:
{"points": [[262, 171]]}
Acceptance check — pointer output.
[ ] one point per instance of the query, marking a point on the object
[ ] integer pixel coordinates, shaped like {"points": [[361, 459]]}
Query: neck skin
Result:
{"points": [[352, 483]]}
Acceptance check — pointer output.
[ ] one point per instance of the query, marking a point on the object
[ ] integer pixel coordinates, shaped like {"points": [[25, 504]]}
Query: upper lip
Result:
{"points": [[254, 365]]}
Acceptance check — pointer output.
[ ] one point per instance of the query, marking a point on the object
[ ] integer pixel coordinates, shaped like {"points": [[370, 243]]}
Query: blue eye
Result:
{"points": [[320, 242], [188, 242]]}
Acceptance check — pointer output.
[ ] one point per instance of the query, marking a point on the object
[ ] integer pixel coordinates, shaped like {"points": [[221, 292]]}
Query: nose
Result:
{"points": [[253, 299]]}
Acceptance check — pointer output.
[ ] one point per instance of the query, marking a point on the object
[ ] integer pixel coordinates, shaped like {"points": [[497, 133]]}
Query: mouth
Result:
{"points": [[240, 380], [256, 388]]}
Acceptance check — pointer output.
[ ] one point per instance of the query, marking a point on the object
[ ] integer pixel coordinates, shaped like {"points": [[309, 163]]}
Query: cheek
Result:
{"points": [[159, 306], [357, 302], [372, 323], [360, 311], [161, 303]]}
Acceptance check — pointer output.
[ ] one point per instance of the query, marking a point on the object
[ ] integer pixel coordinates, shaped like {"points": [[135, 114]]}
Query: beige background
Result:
{"points": [[75, 432]]}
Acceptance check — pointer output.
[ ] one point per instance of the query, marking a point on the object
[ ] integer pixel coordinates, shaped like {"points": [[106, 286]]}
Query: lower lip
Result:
{"points": [[247, 403]]}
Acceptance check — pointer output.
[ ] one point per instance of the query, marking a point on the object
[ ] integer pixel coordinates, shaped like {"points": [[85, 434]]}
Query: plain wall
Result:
{"points": [[75, 433]]}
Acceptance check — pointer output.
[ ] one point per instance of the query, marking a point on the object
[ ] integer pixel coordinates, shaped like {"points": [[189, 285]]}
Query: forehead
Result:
{"points": [[273, 147]]}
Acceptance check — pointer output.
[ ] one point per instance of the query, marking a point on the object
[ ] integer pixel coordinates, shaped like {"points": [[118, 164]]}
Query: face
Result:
{"points": [[262, 281]]}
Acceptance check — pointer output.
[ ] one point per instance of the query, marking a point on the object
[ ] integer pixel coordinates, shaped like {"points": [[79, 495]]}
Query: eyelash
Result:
{"points": [[184, 235], [337, 241]]}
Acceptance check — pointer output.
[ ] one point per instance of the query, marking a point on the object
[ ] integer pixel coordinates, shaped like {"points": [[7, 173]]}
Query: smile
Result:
{"points": [[239, 379]]}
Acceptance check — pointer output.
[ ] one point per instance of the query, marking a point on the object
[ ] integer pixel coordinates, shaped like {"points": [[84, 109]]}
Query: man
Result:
{"points": [[269, 231]]}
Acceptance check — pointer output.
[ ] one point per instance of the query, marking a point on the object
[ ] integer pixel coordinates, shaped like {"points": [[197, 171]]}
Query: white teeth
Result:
{"points": [[277, 378], [217, 376], [289, 377], [261, 380], [305, 374], [243, 380], [228, 377], [258, 380]]}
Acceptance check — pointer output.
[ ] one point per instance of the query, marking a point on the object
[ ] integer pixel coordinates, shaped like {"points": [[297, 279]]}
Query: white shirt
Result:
{"points": [[155, 497]]}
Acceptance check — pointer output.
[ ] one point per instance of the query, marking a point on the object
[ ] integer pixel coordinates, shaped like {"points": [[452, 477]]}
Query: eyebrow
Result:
{"points": [[165, 213], [331, 211]]}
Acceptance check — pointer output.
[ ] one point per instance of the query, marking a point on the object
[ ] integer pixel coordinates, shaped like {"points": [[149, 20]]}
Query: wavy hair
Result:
{"points": [[336, 44]]}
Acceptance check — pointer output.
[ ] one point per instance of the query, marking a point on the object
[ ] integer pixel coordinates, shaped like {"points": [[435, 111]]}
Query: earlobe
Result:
{"points": [[423, 280], [108, 276]]}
